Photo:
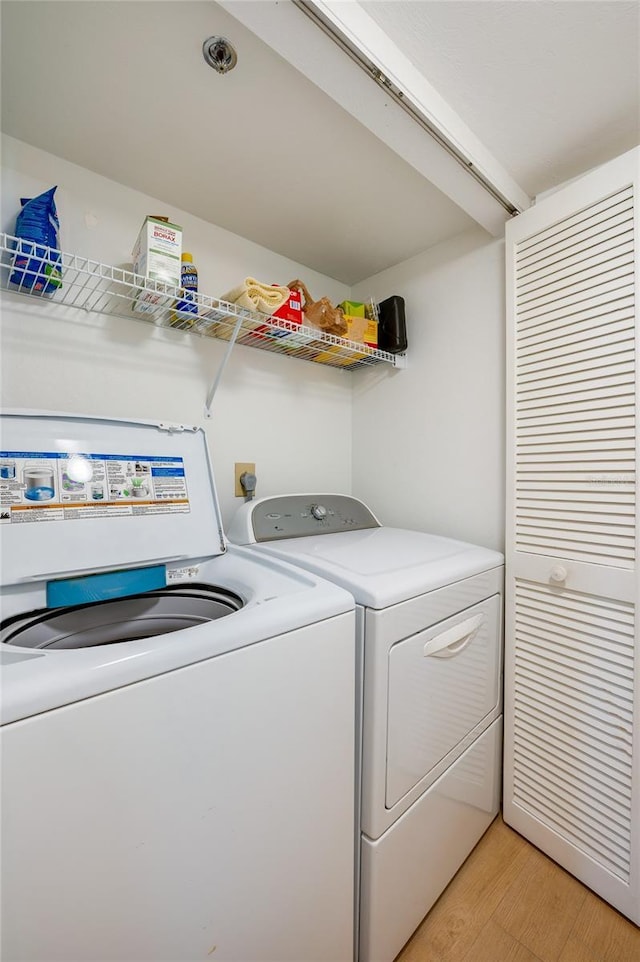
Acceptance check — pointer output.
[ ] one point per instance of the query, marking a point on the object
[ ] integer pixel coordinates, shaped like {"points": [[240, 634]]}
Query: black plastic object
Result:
{"points": [[392, 330]]}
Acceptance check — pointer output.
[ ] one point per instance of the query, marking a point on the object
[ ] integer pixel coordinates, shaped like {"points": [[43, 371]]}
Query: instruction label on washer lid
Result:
{"points": [[54, 486], [186, 573]]}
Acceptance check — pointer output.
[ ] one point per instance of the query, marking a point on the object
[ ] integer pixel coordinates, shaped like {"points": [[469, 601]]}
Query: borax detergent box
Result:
{"points": [[158, 251], [157, 256]]}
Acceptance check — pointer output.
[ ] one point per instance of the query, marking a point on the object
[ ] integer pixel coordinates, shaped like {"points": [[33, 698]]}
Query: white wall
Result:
{"points": [[428, 442], [291, 417]]}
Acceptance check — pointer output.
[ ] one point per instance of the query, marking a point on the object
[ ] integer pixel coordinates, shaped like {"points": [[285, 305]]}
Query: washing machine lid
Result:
{"points": [[379, 566], [84, 494]]}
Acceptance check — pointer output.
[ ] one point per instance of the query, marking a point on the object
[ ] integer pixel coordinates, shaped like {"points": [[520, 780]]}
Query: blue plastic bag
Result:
{"points": [[37, 264]]}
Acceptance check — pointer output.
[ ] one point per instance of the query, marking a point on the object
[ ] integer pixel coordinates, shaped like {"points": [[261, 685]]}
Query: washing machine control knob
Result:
{"points": [[319, 512]]}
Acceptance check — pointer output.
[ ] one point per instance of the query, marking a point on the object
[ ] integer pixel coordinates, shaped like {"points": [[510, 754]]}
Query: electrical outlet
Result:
{"points": [[239, 469]]}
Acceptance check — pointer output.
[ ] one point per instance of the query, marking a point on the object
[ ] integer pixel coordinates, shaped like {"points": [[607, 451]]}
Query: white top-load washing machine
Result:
{"points": [[177, 716], [429, 626]]}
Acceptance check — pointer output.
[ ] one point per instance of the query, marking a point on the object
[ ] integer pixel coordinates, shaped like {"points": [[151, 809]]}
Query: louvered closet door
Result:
{"points": [[572, 720]]}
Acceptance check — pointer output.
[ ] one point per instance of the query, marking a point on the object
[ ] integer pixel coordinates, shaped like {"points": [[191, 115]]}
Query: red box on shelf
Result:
{"points": [[291, 310], [264, 335]]}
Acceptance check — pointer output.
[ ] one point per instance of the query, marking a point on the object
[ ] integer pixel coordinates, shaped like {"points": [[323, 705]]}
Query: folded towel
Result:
{"points": [[257, 297]]}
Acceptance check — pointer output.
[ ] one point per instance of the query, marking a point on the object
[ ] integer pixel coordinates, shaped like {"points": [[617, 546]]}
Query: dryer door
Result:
{"points": [[443, 682]]}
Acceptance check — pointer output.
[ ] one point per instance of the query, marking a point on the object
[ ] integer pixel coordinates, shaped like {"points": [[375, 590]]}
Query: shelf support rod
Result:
{"points": [[223, 364]]}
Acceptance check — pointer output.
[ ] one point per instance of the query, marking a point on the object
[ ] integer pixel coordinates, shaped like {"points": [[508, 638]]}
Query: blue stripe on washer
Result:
{"points": [[101, 587]]}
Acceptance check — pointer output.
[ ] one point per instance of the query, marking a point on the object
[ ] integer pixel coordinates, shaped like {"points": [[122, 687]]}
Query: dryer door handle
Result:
{"points": [[454, 640]]}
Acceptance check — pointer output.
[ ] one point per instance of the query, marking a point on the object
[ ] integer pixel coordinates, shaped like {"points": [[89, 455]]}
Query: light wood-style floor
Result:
{"points": [[510, 903]]}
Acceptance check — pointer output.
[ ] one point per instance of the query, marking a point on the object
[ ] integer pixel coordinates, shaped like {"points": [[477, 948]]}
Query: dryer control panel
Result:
{"points": [[302, 515]]}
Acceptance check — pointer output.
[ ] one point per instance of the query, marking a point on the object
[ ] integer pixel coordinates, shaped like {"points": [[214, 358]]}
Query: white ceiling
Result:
{"points": [[550, 88]]}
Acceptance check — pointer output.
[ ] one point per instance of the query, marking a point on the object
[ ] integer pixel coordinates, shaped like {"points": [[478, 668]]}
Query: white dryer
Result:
{"points": [[429, 629], [177, 716]]}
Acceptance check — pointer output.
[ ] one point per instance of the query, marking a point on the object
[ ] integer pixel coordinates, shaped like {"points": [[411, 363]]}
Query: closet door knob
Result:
{"points": [[558, 573]]}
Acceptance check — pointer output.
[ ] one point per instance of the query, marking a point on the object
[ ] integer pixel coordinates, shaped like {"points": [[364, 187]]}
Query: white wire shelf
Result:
{"points": [[92, 286]]}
